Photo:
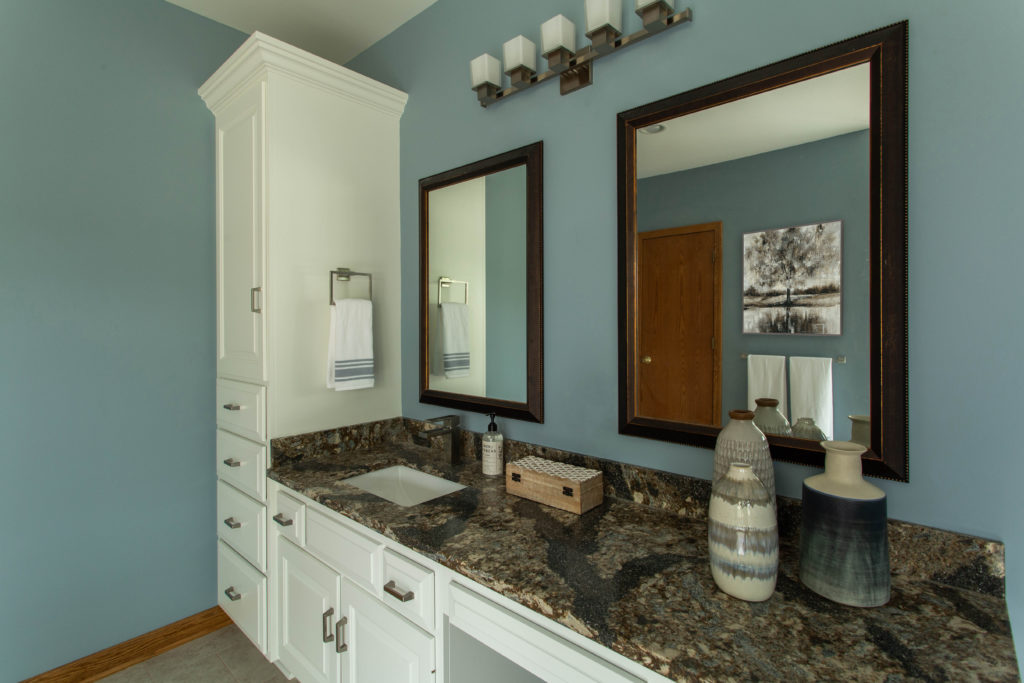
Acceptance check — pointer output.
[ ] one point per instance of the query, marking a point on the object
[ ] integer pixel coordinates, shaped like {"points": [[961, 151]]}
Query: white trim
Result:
{"points": [[261, 54]]}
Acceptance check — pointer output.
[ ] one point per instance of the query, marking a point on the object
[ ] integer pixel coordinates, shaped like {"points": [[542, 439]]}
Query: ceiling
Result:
{"points": [[796, 114], [337, 30]]}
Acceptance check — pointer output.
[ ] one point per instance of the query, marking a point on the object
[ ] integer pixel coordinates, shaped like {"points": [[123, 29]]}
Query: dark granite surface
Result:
{"points": [[636, 579]]}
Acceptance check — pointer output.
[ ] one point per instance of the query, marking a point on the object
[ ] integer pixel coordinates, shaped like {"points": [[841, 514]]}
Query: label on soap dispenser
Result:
{"points": [[492, 460]]}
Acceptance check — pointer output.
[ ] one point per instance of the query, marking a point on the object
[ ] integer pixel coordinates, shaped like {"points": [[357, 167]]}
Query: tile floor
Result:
{"points": [[224, 656]]}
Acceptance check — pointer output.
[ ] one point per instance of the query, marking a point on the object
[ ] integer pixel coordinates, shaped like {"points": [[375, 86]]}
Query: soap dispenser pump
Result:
{"points": [[493, 441]]}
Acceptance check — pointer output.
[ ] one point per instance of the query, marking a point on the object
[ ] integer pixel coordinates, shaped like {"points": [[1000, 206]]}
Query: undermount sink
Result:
{"points": [[403, 485]]}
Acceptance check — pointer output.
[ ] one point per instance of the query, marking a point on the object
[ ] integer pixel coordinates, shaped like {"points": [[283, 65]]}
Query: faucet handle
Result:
{"points": [[448, 420]]}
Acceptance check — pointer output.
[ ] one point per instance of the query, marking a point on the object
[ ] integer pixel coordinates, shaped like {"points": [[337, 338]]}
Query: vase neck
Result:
{"points": [[843, 467]]}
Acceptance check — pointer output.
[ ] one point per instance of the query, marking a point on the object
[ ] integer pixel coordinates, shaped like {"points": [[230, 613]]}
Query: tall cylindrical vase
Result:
{"points": [[741, 441], [844, 543], [743, 535]]}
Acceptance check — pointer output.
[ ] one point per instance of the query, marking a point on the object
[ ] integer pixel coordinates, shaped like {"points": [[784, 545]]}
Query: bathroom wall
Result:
{"points": [[106, 324], [965, 216], [821, 181]]}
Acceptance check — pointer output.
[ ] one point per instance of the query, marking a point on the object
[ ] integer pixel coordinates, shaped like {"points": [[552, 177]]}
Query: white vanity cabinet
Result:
{"points": [[306, 182], [357, 607]]}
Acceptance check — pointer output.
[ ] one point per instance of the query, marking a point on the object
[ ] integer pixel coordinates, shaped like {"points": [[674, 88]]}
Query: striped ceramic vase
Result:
{"points": [[743, 536]]}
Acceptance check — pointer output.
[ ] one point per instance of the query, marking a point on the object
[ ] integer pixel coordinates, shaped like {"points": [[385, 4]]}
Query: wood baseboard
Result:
{"points": [[146, 646]]}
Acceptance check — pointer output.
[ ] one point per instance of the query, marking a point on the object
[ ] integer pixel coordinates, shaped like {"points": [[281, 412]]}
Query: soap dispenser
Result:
{"points": [[493, 441]]}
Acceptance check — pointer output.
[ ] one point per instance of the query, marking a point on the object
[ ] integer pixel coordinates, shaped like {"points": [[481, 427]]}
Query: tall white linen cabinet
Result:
{"points": [[307, 182]]}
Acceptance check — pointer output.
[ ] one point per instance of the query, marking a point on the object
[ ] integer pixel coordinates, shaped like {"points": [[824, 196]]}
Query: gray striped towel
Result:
{"points": [[350, 348], [455, 339]]}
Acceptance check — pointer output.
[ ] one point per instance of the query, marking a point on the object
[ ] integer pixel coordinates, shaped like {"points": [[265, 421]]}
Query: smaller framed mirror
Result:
{"points": [[482, 287]]}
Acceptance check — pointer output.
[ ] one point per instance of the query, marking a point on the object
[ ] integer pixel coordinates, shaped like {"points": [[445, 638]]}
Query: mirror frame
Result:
{"points": [[886, 51], [532, 409]]}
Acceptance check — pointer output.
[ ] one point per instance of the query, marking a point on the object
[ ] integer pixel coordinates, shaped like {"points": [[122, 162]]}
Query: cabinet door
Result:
{"points": [[381, 646], [240, 239], [308, 611]]}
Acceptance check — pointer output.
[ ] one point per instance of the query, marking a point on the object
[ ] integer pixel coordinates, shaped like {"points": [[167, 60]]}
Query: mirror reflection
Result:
{"points": [[752, 260], [482, 286], [476, 286]]}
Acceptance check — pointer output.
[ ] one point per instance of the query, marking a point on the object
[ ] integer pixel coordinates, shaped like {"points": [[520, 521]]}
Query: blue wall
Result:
{"points": [[506, 283], [966, 147], [106, 324], [816, 182]]}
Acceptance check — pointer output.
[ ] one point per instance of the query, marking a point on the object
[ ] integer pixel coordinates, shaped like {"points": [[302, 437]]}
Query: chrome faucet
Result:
{"points": [[449, 429]]}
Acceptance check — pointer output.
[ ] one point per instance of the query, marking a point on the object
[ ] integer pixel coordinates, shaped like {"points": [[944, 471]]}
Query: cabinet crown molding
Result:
{"points": [[261, 54]]}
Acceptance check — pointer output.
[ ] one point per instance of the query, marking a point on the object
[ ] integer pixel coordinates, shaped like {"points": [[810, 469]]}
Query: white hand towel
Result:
{"points": [[455, 339], [810, 386], [350, 346], [766, 378]]}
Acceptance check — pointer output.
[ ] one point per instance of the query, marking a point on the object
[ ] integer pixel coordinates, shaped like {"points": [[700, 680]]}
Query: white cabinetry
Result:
{"points": [[307, 181]]}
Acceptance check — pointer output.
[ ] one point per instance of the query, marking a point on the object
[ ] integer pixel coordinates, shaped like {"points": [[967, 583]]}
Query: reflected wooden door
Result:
{"points": [[678, 364]]}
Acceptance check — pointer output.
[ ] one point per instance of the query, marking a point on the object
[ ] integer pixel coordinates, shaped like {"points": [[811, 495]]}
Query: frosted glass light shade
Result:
{"points": [[557, 32], [602, 13], [485, 69], [520, 51], [641, 4]]}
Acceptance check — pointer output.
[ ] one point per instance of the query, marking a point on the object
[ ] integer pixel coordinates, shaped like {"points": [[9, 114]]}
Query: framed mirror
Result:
{"points": [[763, 255], [482, 286]]}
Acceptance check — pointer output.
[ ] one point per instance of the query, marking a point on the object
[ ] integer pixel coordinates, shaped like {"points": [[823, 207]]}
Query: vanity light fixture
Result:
{"points": [[652, 129], [558, 45]]}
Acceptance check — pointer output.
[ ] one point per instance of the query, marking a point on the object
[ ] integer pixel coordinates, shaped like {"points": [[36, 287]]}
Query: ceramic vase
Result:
{"points": [[844, 544], [860, 429], [804, 428], [768, 418], [743, 535], [741, 441]]}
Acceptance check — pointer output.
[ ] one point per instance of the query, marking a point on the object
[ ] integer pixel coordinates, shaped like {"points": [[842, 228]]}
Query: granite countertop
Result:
{"points": [[636, 579]]}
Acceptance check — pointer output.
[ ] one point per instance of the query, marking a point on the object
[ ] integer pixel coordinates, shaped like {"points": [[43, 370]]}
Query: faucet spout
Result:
{"points": [[448, 427]]}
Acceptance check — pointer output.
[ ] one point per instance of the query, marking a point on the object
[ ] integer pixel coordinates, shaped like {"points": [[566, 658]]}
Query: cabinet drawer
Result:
{"points": [[241, 408], [290, 518], [242, 593], [242, 524], [355, 556], [242, 463], [409, 589]]}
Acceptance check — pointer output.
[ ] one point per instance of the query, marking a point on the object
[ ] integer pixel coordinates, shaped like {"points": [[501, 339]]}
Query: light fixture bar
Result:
{"points": [[578, 73]]}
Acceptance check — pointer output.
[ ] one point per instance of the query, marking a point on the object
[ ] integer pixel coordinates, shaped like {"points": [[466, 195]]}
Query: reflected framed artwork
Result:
{"points": [[792, 280]]}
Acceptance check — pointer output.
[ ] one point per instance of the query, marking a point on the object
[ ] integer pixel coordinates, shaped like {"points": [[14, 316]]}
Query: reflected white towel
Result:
{"points": [[455, 339], [810, 387], [766, 378], [350, 346]]}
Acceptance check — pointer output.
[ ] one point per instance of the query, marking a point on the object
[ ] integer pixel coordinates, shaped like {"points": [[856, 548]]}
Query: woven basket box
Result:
{"points": [[560, 485]]}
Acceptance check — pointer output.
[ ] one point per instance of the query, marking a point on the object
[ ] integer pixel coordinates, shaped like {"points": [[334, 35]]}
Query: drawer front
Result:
{"points": [[289, 519], [242, 524], [242, 593], [409, 589], [241, 408], [355, 556], [242, 463]]}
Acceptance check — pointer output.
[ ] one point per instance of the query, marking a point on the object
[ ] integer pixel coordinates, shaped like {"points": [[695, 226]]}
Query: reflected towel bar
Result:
{"points": [[345, 274], [838, 359], [448, 282]]}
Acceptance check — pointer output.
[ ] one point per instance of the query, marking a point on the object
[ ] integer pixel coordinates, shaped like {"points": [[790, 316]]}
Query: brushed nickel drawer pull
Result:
{"points": [[231, 462], [232, 594], [232, 406], [232, 523], [253, 306], [326, 625], [282, 520], [391, 589], [339, 628]]}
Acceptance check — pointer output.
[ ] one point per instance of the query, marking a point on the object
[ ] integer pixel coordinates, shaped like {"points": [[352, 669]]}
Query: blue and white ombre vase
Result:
{"points": [[743, 535], [844, 542]]}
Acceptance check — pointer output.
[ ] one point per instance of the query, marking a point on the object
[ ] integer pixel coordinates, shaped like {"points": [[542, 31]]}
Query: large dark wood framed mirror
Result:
{"points": [[763, 254], [482, 286]]}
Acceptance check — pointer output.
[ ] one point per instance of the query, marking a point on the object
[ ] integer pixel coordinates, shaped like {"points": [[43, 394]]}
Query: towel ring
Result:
{"points": [[345, 274], [448, 282]]}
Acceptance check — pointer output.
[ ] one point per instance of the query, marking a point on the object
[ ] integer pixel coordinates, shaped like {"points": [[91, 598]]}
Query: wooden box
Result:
{"points": [[558, 484]]}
